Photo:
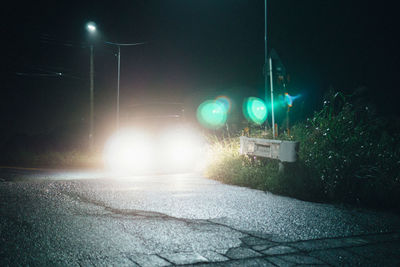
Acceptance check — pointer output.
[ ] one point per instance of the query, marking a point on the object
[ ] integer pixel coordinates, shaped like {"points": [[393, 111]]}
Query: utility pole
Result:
{"points": [[91, 139], [266, 60], [119, 71]]}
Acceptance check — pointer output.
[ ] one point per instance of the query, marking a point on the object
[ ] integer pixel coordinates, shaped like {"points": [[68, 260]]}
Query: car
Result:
{"points": [[155, 138]]}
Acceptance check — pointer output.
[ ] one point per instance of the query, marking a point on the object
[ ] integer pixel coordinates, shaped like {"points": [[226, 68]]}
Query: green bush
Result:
{"points": [[351, 156], [347, 155]]}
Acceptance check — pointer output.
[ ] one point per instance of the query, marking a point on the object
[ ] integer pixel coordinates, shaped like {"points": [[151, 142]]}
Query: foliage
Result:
{"points": [[226, 165], [52, 159], [351, 155], [347, 155], [45, 150]]}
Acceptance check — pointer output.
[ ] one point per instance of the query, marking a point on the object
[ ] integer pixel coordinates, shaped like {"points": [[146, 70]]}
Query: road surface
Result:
{"points": [[86, 218]]}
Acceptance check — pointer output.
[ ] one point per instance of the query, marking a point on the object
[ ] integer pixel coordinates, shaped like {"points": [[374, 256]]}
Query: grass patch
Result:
{"points": [[228, 166]]}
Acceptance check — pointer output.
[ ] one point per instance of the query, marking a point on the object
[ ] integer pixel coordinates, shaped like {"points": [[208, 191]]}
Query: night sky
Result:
{"points": [[195, 50]]}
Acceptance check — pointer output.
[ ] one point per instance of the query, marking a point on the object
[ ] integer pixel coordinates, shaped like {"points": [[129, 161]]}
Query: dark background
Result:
{"points": [[195, 50]]}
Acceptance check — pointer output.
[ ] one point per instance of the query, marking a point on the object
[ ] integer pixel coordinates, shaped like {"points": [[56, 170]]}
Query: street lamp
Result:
{"points": [[119, 71], [91, 28]]}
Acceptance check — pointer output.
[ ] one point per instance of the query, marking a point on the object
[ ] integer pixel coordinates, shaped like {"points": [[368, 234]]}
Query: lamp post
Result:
{"points": [[119, 72], [91, 27]]}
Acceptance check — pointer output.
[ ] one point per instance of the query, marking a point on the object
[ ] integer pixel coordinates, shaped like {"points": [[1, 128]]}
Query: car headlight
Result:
{"points": [[182, 148], [128, 150]]}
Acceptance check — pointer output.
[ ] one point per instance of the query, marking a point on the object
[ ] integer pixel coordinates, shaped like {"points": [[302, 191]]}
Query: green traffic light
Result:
{"points": [[212, 114], [255, 110]]}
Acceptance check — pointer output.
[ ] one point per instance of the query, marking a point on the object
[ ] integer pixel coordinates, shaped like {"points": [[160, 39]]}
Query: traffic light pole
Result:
{"points": [[271, 78], [265, 59]]}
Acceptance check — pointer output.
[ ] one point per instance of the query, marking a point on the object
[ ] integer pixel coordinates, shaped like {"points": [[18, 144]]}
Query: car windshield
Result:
{"points": [[153, 114]]}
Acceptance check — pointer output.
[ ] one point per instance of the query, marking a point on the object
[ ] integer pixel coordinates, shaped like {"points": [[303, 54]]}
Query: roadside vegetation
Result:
{"points": [[49, 150], [51, 159], [347, 155]]}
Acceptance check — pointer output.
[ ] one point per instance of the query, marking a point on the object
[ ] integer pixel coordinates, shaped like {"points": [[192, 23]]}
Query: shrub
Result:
{"points": [[349, 153]]}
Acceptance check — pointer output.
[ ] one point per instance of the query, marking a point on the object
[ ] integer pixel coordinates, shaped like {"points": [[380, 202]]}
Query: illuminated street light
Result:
{"points": [[91, 28]]}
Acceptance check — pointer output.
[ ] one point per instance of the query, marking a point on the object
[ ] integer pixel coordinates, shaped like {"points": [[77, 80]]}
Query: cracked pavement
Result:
{"points": [[87, 218]]}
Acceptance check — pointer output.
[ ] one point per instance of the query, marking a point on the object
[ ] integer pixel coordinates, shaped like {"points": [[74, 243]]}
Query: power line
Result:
{"points": [[40, 71], [55, 74], [125, 44], [46, 38], [39, 74]]}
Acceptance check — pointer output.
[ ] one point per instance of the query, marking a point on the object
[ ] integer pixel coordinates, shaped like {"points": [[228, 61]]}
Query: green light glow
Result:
{"points": [[255, 110], [212, 114], [225, 101]]}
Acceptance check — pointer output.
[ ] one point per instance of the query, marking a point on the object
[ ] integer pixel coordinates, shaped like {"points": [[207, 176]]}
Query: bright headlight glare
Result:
{"points": [[128, 150], [182, 147]]}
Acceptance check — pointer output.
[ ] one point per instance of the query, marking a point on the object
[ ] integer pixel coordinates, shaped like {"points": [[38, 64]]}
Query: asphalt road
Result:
{"points": [[84, 218]]}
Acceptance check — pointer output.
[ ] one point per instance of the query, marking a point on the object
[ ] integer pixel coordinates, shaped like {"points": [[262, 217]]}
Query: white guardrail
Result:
{"points": [[284, 151]]}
